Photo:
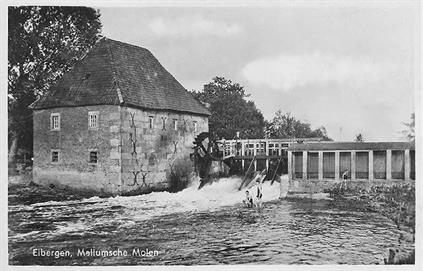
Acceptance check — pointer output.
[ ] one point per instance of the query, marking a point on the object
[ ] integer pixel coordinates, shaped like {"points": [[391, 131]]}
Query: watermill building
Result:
{"points": [[117, 122]]}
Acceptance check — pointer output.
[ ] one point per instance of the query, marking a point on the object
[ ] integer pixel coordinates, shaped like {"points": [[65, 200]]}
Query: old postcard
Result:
{"points": [[200, 133]]}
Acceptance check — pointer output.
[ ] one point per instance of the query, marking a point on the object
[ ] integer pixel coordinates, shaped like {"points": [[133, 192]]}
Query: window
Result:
{"points": [[151, 122], [92, 120], [152, 160], [175, 124], [163, 124], [54, 156], [195, 126], [55, 121], [93, 157]]}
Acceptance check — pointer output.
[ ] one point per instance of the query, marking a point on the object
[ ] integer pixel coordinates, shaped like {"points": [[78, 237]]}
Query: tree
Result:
{"points": [[287, 126], [409, 132], [230, 111], [359, 138], [43, 43]]}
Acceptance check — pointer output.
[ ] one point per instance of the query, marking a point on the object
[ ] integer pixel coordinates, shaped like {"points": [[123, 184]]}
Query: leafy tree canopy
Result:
{"points": [[359, 138], [43, 43], [284, 125], [409, 132], [230, 111]]}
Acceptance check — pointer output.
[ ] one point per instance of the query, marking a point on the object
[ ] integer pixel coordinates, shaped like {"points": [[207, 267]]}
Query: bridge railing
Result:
{"points": [[249, 148]]}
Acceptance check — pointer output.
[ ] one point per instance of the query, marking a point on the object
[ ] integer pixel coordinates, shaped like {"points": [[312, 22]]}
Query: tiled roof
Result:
{"points": [[351, 146], [115, 73]]}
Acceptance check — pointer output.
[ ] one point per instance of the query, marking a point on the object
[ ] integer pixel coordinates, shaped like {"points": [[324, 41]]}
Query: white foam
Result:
{"points": [[133, 209], [62, 203], [223, 192]]}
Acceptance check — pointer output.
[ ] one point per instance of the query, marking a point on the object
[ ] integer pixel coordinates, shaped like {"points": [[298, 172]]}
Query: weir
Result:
{"points": [[316, 167], [260, 151], [310, 166], [212, 156]]}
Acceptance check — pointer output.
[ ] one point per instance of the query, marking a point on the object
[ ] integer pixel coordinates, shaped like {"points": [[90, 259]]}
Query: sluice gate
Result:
{"points": [[269, 154]]}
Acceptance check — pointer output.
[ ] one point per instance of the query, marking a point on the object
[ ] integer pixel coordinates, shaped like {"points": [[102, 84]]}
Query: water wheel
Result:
{"points": [[206, 150]]}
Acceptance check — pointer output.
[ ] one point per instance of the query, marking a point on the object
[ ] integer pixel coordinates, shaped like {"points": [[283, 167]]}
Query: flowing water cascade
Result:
{"points": [[207, 226]]}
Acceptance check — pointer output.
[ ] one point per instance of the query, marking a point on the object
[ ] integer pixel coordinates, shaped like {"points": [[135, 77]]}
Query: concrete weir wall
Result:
{"points": [[328, 165], [298, 164], [137, 150], [344, 163], [379, 158], [312, 165], [362, 165], [397, 167], [315, 167]]}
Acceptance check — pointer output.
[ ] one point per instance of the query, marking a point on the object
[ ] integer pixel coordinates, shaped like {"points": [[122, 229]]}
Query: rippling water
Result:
{"points": [[209, 226]]}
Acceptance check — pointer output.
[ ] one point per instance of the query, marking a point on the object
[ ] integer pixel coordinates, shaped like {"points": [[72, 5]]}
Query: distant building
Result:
{"points": [[117, 122]]}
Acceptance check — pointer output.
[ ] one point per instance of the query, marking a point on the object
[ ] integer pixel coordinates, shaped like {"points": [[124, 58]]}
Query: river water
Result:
{"points": [[207, 226]]}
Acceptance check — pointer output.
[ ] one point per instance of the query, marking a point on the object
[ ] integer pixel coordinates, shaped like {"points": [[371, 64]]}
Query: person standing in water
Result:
{"points": [[248, 199], [259, 195]]}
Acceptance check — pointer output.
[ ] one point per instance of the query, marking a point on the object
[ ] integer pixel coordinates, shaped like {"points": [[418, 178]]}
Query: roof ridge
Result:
{"points": [[114, 76], [126, 44]]}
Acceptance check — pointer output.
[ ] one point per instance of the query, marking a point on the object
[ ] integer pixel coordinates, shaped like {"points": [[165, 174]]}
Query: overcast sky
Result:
{"points": [[349, 67]]}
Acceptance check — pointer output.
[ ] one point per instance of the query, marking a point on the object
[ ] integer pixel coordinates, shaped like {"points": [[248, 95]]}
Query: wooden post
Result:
{"points": [[266, 146], [353, 168], [337, 157], [371, 170], [246, 173], [407, 165], [255, 154], [290, 165], [320, 168], [276, 170], [231, 148], [304, 165], [243, 154], [388, 164]]}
